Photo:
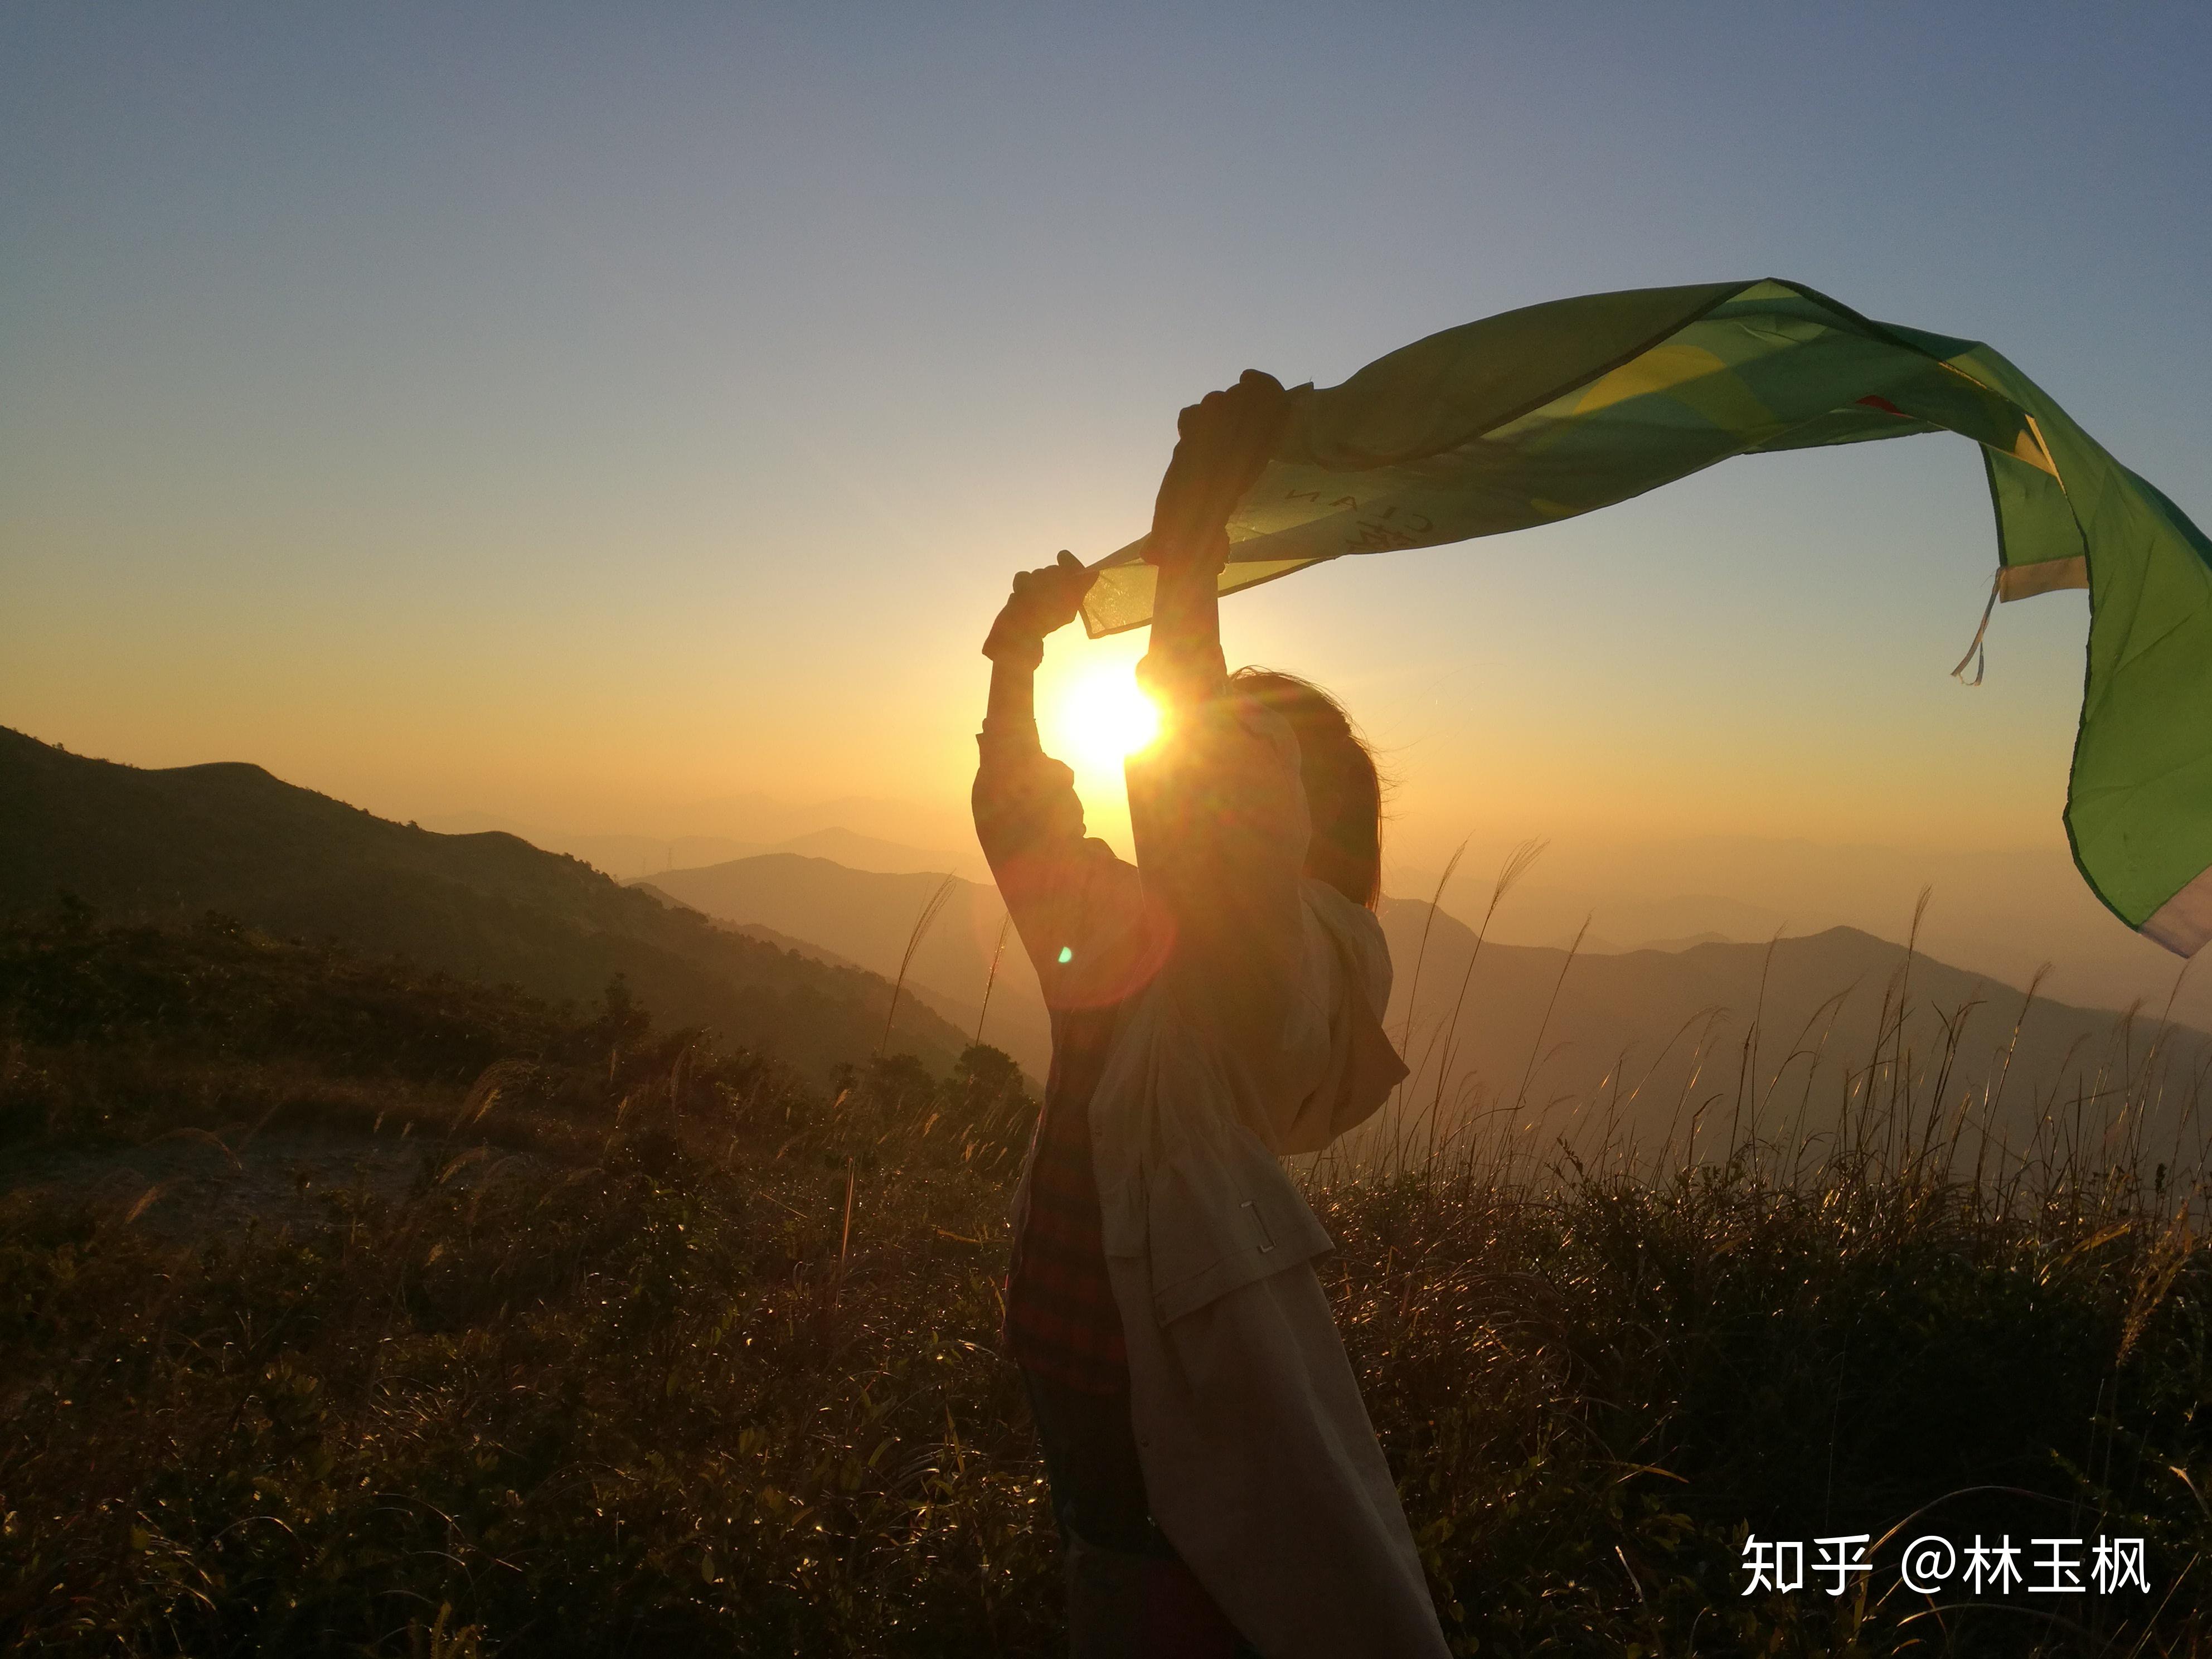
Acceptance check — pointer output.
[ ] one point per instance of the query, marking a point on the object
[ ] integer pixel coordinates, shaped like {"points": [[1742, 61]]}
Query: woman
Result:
{"points": [[1214, 1007]]}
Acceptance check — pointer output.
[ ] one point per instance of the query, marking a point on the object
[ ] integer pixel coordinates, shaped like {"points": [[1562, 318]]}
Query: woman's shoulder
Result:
{"points": [[1354, 935]]}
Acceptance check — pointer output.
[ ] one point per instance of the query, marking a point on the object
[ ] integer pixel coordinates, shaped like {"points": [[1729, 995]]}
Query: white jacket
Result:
{"points": [[1257, 1035]]}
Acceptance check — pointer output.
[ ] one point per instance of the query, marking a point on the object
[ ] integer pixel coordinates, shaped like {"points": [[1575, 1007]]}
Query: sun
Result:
{"points": [[1103, 717]]}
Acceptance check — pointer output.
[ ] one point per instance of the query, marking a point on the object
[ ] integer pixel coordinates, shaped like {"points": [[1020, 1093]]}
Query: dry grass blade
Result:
{"points": [[1550, 1006], [844, 1238], [1435, 902], [921, 923], [992, 978], [1508, 875], [147, 1200]]}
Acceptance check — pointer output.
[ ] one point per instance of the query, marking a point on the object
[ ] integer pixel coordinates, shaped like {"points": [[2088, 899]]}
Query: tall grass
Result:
{"points": [[931, 906], [1897, 1316], [660, 1350], [1905, 1110]]}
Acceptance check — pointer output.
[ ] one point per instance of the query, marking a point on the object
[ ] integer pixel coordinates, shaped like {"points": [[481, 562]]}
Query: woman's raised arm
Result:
{"points": [[1223, 441], [1065, 890], [1217, 805]]}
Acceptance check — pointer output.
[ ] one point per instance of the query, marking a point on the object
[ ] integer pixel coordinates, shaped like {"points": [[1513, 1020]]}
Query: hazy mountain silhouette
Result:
{"points": [[2004, 910], [639, 857], [867, 916], [172, 844], [1649, 1037]]}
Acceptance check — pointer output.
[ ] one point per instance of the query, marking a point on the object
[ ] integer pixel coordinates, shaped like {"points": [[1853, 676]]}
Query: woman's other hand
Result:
{"points": [[1223, 443], [1043, 601]]}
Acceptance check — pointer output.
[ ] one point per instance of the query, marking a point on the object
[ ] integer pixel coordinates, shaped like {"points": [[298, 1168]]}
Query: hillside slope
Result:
{"points": [[171, 844], [867, 917], [962, 1016]]}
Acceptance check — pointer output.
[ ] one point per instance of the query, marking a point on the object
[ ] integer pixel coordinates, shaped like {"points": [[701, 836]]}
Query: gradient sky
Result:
{"points": [[572, 414]]}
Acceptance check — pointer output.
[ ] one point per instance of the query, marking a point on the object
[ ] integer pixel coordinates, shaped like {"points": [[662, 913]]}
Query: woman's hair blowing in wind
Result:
{"points": [[1343, 791]]}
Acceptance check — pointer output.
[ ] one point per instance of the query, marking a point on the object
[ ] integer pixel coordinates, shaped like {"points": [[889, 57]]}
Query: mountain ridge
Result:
{"points": [[1545, 1033], [171, 844], [1534, 1021]]}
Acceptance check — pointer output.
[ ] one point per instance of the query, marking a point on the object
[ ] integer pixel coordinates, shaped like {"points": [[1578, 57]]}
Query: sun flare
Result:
{"points": [[1102, 717]]}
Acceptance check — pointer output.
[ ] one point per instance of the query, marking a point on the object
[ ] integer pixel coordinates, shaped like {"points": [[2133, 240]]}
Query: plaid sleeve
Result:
{"points": [[1067, 891]]}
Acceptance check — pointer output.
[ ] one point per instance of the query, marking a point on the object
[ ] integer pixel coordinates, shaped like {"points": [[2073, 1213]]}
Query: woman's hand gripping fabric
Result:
{"points": [[1222, 443], [1043, 602]]}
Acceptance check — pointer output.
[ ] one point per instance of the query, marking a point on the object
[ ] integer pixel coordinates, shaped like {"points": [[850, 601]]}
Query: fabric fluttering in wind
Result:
{"points": [[1541, 414]]}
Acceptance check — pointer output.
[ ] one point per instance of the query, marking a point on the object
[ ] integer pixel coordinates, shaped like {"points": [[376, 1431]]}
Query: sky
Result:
{"points": [[610, 417]]}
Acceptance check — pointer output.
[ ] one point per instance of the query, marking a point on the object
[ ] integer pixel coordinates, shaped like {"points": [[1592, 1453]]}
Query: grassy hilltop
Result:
{"points": [[168, 845], [347, 1308]]}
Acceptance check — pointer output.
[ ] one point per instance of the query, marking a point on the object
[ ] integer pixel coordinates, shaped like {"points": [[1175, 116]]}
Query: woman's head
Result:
{"points": [[1343, 792]]}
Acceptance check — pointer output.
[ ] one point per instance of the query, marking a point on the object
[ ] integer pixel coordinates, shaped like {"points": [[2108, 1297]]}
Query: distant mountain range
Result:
{"points": [[795, 952], [1558, 1043], [631, 857], [2004, 910], [173, 844], [1540, 1037]]}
